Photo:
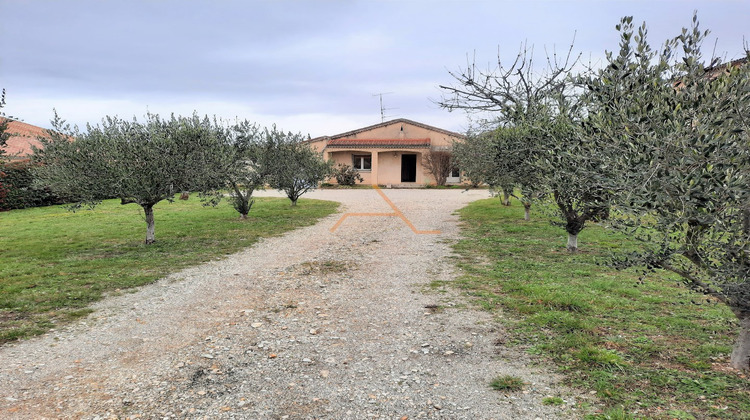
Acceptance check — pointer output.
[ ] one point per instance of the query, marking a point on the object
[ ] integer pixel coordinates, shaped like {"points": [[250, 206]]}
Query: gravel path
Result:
{"points": [[313, 324]]}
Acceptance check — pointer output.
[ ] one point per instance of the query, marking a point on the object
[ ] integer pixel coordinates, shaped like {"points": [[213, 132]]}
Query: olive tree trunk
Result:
{"points": [[149, 211], [242, 201], [506, 197], [741, 352], [572, 242], [526, 211]]}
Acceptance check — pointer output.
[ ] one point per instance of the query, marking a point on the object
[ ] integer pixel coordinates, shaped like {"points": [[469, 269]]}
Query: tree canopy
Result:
{"points": [[677, 130], [137, 162], [3, 125], [295, 167]]}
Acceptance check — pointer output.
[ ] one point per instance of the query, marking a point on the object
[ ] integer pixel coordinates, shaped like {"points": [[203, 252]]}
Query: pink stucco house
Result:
{"points": [[390, 153]]}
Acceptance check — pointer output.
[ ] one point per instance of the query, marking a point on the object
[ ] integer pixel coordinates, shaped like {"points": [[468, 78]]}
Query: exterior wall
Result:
{"points": [[389, 167], [345, 157], [386, 165], [318, 144]]}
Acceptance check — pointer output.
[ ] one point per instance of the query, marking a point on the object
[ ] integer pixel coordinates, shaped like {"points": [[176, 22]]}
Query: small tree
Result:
{"points": [[518, 163], [296, 167], [3, 142], [3, 126], [505, 190], [476, 156], [479, 157], [141, 163], [346, 175], [440, 164], [249, 160]]}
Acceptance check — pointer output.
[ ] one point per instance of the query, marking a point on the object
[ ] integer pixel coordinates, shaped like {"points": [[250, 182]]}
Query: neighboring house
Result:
{"points": [[713, 72], [21, 138], [390, 153]]}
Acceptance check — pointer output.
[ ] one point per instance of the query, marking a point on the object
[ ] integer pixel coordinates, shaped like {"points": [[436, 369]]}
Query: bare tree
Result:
{"points": [[545, 105], [440, 164]]}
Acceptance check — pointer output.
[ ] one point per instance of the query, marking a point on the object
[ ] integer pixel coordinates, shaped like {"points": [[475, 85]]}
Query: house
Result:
{"points": [[712, 72], [391, 153], [21, 138]]}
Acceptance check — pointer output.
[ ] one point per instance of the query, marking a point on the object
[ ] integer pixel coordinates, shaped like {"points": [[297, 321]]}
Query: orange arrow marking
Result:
{"points": [[396, 213]]}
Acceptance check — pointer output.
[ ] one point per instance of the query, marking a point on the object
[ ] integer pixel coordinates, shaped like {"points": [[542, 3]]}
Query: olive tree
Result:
{"points": [[479, 158], [517, 158], [248, 161], [137, 162], [3, 141], [475, 155], [295, 167], [3, 125], [678, 131]]}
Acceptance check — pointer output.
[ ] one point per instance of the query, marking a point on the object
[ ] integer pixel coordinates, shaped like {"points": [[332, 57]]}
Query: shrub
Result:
{"points": [[439, 163], [346, 175]]}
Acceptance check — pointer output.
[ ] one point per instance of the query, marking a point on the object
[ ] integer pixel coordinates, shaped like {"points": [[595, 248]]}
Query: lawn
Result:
{"points": [[644, 347], [55, 263]]}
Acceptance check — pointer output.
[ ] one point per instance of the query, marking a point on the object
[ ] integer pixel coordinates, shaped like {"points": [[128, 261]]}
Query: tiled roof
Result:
{"points": [[379, 143], [715, 71], [733, 63], [22, 137]]}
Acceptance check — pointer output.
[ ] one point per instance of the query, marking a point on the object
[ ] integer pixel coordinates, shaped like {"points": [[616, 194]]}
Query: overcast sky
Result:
{"points": [[307, 66]]}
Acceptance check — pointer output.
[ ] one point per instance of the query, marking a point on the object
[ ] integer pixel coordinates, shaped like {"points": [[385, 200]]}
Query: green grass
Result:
{"points": [[552, 401], [55, 263], [507, 383], [643, 347]]}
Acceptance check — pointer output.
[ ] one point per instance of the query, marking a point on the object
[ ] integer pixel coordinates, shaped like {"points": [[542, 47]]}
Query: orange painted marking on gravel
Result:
{"points": [[396, 213], [336, 226]]}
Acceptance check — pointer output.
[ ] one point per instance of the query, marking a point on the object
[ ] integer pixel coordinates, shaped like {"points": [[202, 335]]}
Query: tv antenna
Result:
{"points": [[382, 108]]}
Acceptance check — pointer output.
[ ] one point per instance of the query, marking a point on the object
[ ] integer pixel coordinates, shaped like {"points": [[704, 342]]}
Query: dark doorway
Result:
{"points": [[408, 168]]}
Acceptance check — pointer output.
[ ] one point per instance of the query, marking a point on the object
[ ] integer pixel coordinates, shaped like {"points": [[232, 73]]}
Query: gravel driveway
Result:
{"points": [[312, 324]]}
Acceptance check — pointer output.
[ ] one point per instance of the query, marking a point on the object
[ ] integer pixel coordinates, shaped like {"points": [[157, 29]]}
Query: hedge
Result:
{"points": [[16, 191]]}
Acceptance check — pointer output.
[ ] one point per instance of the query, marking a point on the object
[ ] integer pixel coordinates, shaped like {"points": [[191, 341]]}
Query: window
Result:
{"points": [[362, 162]]}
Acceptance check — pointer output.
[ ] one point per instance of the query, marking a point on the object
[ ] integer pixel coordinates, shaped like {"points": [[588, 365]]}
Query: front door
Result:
{"points": [[408, 168]]}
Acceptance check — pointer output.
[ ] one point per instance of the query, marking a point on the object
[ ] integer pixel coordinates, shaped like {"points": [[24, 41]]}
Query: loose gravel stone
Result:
{"points": [[310, 325]]}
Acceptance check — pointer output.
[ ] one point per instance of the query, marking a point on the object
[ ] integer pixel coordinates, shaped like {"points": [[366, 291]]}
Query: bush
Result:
{"points": [[16, 191], [346, 175]]}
